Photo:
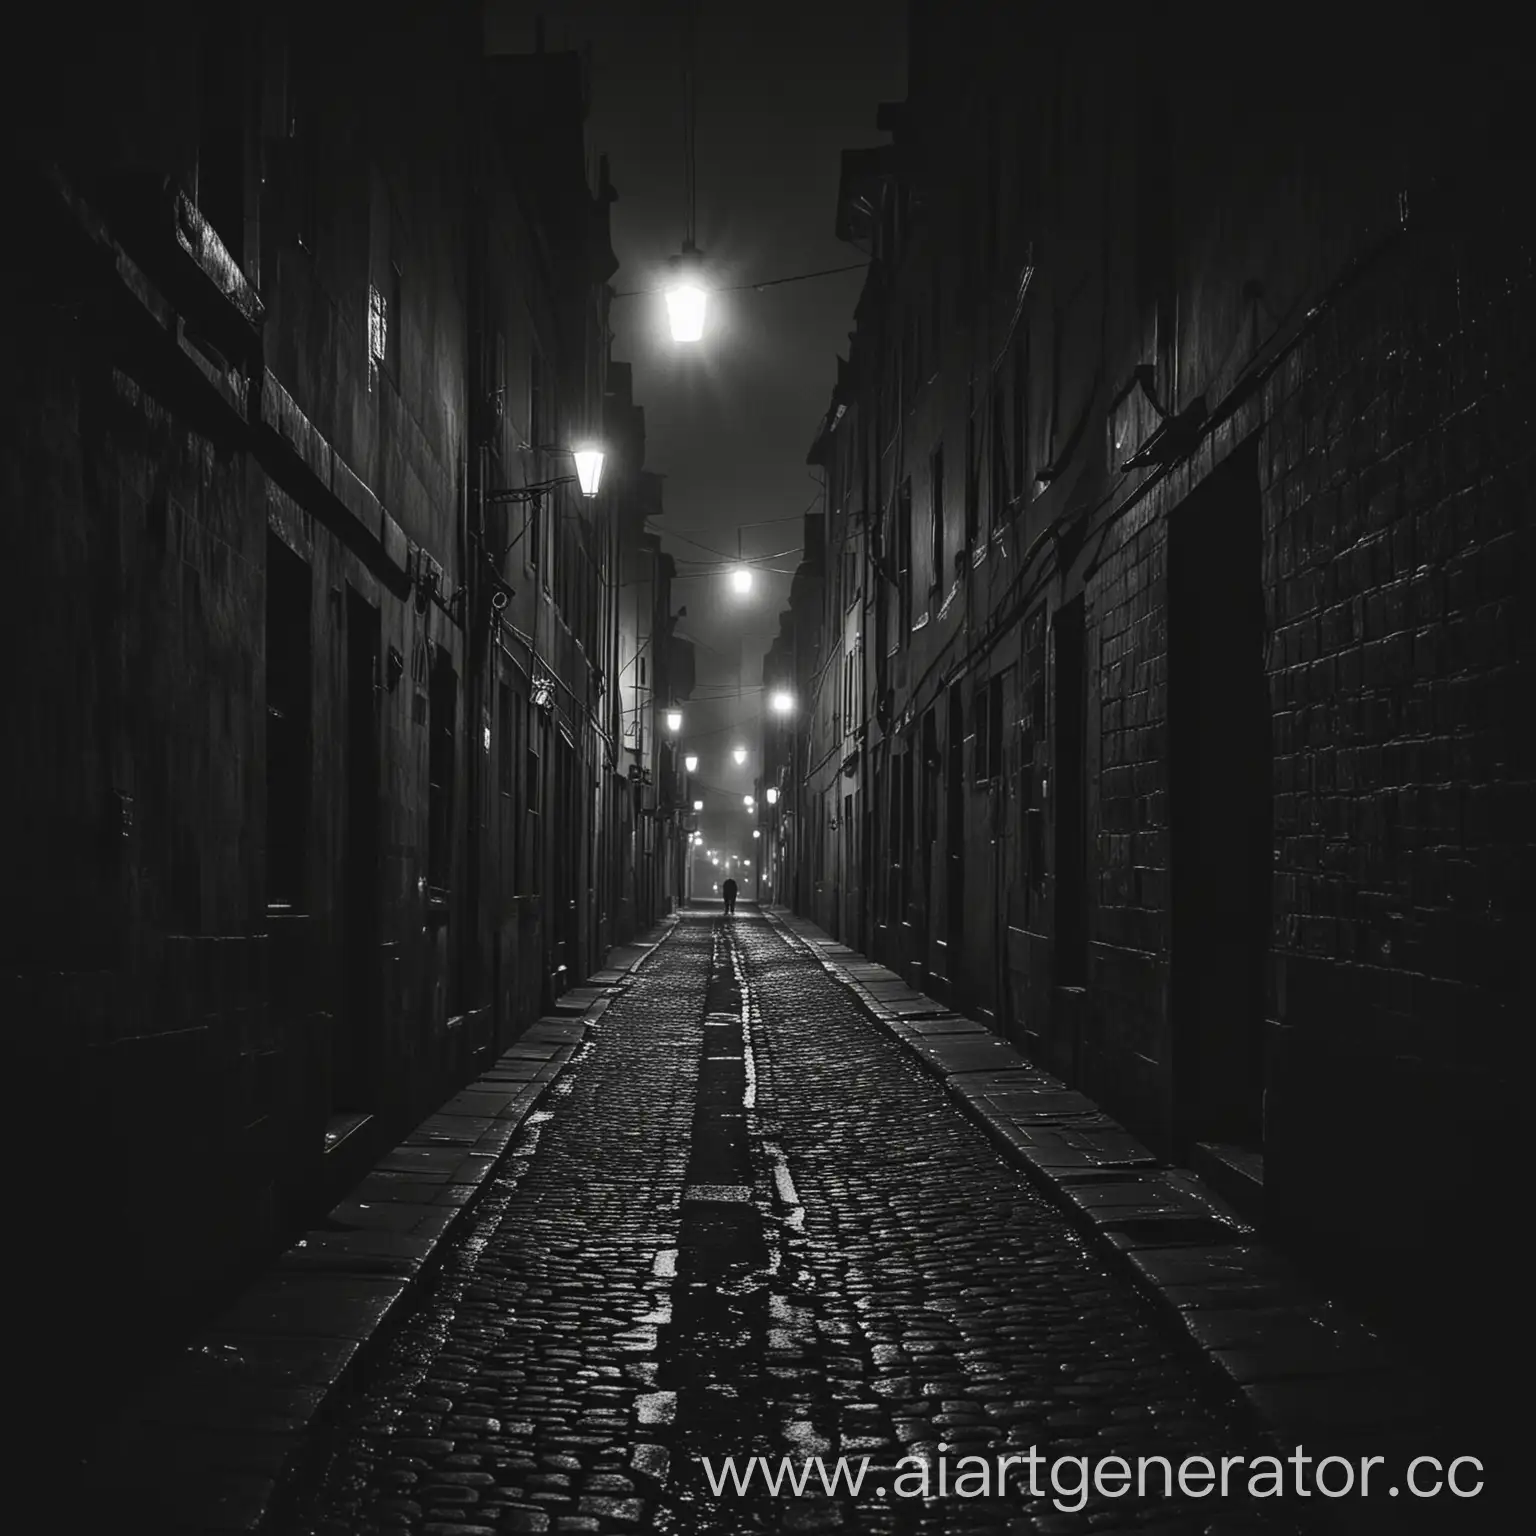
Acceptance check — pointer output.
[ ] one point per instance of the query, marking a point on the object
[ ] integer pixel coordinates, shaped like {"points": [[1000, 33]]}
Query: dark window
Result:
{"points": [[936, 516], [972, 475], [288, 724], [504, 760], [992, 194], [988, 762], [532, 768], [442, 710], [1070, 790], [995, 728], [936, 314], [393, 335], [999, 458], [1021, 487], [536, 401]]}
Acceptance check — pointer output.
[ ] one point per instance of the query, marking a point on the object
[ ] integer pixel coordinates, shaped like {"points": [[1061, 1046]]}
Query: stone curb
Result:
{"points": [[220, 1437], [1296, 1362]]}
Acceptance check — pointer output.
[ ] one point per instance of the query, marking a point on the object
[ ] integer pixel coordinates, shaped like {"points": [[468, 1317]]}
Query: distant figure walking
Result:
{"points": [[728, 890]]}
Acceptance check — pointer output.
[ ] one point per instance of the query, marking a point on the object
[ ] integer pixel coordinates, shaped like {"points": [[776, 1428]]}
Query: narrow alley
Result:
{"points": [[744, 1224]]}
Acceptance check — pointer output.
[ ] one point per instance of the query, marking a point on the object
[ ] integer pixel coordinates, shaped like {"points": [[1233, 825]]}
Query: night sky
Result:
{"points": [[782, 89]]}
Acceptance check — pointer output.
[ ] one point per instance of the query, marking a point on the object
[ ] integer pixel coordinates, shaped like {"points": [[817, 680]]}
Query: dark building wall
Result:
{"points": [[299, 795], [1197, 692]]}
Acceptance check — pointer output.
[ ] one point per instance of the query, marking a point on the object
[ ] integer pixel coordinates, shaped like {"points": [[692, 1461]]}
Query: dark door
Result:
{"points": [[1219, 789], [954, 841], [355, 1058]]}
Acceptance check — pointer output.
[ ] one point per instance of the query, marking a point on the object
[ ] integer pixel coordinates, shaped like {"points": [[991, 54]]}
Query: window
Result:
{"points": [[988, 762], [498, 383], [999, 458], [441, 710], [972, 488], [1021, 488], [384, 292], [288, 725], [531, 767], [536, 401], [936, 517], [378, 326], [504, 760], [392, 352], [936, 313]]}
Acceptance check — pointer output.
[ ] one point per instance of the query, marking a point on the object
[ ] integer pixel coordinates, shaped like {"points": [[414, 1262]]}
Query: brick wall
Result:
{"points": [[1397, 470], [1125, 1055]]}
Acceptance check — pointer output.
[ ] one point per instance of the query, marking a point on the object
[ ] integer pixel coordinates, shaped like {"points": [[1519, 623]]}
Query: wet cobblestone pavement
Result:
{"points": [[746, 1224]]}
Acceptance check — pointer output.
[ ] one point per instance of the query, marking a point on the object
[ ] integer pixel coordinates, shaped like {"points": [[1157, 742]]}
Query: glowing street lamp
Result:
{"points": [[589, 468], [741, 580], [740, 754], [771, 795], [782, 702], [674, 719], [691, 762], [687, 297]]}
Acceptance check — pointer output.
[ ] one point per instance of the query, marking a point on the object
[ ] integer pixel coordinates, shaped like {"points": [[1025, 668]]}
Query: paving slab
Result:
{"points": [[1298, 1362]]}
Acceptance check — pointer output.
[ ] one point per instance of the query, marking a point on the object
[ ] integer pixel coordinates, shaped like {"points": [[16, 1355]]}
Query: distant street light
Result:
{"points": [[741, 579], [782, 702], [771, 795], [674, 719], [740, 754], [691, 762]]}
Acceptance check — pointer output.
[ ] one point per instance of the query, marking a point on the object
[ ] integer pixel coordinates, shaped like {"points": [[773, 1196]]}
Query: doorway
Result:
{"points": [[353, 1064], [954, 841], [1220, 809]]}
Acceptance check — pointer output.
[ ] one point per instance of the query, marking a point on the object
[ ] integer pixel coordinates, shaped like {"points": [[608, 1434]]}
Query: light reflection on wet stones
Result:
{"points": [[568, 1365]]}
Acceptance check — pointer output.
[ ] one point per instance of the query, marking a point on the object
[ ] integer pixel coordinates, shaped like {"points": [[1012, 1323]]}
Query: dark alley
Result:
{"points": [[769, 766]]}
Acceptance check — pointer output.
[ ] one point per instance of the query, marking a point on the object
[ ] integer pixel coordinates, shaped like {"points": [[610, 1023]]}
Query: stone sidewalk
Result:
{"points": [[1300, 1362], [215, 1438]]}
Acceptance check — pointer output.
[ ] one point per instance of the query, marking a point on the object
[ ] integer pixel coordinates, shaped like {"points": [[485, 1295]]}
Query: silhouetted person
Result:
{"points": [[728, 890]]}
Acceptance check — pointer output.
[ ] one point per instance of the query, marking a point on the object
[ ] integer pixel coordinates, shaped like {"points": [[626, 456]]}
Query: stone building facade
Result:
{"points": [[1178, 510], [319, 765]]}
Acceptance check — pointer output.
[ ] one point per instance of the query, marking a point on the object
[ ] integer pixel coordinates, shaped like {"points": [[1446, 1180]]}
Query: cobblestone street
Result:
{"points": [[777, 1239]]}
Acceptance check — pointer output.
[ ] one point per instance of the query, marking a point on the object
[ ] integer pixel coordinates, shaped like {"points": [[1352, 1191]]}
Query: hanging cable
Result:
{"points": [[690, 180], [766, 282]]}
